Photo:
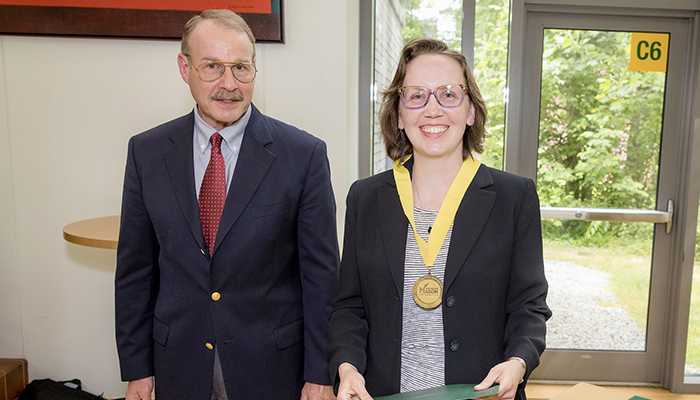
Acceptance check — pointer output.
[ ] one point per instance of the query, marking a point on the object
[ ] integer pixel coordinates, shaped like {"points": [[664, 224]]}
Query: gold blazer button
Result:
{"points": [[209, 346], [215, 296]]}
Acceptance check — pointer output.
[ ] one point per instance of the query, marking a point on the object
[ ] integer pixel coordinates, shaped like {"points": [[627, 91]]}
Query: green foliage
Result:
{"points": [[697, 246], [414, 27], [453, 12], [490, 65], [692, 356], [599, 234], [600, 127], [697, 241]]}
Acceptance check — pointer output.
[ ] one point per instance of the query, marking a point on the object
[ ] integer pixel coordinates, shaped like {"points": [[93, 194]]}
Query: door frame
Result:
{"points": [[678, 283]]}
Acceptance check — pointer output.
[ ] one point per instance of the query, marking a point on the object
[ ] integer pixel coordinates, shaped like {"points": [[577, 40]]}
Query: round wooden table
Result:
{"points": [[100, 232]]}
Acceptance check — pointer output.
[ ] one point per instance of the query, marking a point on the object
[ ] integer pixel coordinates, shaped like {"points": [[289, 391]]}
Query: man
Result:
{"points": [[228, 254]]}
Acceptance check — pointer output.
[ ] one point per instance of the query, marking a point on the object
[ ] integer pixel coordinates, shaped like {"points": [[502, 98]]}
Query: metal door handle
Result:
{"points": [[611, 214]]}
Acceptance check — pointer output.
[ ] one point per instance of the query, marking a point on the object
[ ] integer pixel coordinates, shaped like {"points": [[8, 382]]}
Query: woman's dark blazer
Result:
{"points": [[494, 289]]}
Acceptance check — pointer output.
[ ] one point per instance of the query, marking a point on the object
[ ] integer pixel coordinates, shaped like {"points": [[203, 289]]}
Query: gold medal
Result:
{"points": [[427, 291]]}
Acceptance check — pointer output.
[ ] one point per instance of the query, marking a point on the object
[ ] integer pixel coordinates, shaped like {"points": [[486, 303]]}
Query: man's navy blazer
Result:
{"points": [[274, 265], [494, 293]]}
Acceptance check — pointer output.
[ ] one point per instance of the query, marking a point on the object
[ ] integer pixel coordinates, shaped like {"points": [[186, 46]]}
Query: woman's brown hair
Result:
{"points": [[473, 139]]}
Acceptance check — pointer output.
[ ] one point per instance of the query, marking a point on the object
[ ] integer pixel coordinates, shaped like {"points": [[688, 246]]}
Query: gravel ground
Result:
{"points": [[579, 319]]}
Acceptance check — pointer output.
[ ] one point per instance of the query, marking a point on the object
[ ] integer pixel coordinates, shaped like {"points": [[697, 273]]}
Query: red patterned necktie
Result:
{"points": [[212, 194]]}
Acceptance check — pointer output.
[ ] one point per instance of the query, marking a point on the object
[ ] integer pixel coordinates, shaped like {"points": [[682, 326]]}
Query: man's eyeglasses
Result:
{"points": [[209, 71], [448, 96]]}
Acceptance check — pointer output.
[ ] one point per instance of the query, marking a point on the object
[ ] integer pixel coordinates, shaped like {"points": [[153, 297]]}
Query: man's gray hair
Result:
{"points": [[226, 18]]}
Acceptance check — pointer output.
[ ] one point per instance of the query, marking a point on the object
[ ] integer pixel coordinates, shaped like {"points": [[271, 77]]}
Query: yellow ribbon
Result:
{"points": [[448, 209]]}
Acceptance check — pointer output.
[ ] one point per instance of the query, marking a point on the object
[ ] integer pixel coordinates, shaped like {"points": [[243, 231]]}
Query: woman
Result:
{"points": [[442, 278]]}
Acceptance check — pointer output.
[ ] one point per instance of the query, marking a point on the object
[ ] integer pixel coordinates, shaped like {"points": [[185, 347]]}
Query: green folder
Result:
{"points": [[449, 392]]}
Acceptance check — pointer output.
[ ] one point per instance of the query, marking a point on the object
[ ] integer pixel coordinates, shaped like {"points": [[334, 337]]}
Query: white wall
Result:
{"points": [[67, 109]]}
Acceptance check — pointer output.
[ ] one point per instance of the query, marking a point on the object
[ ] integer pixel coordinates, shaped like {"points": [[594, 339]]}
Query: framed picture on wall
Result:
{"points": [[145, 19]]}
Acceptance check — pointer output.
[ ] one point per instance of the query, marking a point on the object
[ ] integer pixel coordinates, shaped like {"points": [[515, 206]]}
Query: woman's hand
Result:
{"points": [[352, 384], [508, 375]]}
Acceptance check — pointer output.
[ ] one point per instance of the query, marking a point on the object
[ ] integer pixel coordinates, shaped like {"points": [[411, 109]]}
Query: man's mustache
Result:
{"points": [[236, 95]]}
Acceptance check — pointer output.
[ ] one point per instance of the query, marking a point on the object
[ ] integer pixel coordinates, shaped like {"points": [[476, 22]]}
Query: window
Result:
{"points": [[398, 21]]}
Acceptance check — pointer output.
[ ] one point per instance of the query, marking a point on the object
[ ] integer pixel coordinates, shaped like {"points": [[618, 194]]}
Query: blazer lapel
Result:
{"points": [[252, 165], [469, 221], [394, 226], [180, 164]]}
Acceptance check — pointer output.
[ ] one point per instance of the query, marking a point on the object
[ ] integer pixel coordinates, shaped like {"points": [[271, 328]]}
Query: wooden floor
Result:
{"points": [[544, 392]]}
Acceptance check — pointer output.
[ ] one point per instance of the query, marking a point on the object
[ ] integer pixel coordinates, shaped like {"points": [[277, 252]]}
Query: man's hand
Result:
{"points": [[140, 389], [508, 375], [312, 391], [352, 384]]}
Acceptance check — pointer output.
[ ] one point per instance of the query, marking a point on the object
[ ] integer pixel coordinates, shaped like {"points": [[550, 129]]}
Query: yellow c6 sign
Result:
{"points": [[649, 52]]}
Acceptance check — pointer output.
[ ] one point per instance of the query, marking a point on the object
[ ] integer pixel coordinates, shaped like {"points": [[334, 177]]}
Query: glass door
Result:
{"points": [[597, 172], [600, 136]]}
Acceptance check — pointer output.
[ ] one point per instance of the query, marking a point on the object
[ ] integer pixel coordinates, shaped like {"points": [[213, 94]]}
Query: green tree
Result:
{"points": [[414, 26], [600, 128], [453, 12], [490, 66]]}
